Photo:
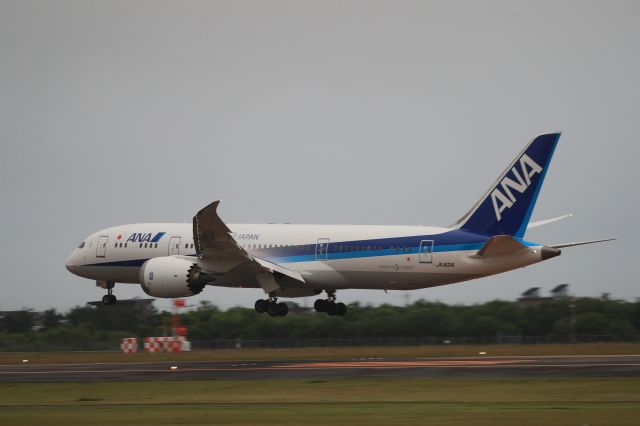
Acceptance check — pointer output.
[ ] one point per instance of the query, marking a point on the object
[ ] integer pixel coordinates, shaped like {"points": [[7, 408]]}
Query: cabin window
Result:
{"points": [[145, 245], [140, 245], [125, 245]]}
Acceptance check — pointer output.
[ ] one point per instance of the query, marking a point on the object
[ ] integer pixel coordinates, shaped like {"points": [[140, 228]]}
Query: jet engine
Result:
{"points": [[171, 277]]}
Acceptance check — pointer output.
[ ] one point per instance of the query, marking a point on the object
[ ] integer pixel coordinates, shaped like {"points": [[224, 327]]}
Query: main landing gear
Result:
{"points": [[109, 298], [330, 306], [272, 307]]}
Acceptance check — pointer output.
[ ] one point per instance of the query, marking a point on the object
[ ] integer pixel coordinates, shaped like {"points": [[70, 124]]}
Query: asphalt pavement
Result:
{"points": [[462, 367]]}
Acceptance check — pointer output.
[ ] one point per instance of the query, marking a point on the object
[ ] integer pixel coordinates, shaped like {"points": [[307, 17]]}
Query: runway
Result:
{"points": [[463, 367]]}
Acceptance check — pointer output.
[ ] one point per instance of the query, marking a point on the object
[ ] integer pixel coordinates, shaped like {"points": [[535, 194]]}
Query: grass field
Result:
{"points": [[451, 402], [327, 353], [388, 401]]}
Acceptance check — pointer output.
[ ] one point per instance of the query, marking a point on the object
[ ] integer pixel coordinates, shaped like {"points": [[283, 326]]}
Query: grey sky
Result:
{"points": [[367, 112]]}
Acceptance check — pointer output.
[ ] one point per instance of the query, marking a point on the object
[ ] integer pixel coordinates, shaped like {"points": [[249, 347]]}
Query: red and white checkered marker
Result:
{"points": [[175, 344], [129, 345]]}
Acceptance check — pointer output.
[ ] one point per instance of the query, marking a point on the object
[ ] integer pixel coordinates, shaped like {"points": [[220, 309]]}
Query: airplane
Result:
{"points": [[172, 260]]}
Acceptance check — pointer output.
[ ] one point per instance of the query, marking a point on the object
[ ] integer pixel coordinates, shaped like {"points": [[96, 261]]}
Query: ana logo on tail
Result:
{"points": [[504, 199]]}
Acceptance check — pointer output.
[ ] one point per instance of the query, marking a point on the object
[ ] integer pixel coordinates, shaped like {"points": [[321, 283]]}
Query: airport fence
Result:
{"points": [[102, 346], [108, 346], [417, 341]]}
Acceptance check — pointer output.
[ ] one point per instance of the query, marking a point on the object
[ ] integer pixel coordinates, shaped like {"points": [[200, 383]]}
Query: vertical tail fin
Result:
{"points": [[505, 209]]}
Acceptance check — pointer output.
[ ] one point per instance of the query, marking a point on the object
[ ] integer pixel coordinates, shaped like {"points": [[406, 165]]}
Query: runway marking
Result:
{"points": [[399, 364], [337, 366], [484, 358]]}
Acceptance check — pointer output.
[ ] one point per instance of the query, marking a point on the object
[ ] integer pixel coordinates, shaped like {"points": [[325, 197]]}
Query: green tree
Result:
{"points": [[17, 321]]}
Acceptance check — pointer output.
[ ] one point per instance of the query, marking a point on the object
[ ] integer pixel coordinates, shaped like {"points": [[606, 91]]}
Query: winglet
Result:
{"points": [[548, 221]]}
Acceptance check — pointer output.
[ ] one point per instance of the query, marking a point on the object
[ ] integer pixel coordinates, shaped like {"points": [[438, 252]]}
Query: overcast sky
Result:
{"points": [[361, 112]]}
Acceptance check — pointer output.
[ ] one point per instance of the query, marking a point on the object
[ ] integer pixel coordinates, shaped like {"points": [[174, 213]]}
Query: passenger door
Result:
{"points": [[322, 247], [426, 251], [101, 248], [174, 246]]}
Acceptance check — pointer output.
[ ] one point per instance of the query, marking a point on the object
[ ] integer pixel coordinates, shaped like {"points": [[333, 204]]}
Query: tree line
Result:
{"points": [[90, 328]]}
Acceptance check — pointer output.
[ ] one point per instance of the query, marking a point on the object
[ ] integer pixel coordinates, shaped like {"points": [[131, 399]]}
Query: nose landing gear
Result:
{"points": [[109, 298], [329, 305], [271, 307]]}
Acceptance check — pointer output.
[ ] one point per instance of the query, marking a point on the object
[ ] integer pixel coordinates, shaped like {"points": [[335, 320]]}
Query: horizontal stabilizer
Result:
{"points": [[547, 221], [580, 243], [499, 245]]}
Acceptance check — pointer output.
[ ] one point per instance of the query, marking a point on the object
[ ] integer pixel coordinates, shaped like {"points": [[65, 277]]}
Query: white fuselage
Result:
{"points": [[327, 256]]}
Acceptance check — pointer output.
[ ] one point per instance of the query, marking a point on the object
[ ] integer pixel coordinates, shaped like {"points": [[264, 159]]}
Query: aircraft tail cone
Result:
{"points": [[549, 252]]}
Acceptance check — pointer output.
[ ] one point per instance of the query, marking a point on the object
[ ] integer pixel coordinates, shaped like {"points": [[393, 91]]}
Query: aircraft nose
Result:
{"points": [[70, 263]]}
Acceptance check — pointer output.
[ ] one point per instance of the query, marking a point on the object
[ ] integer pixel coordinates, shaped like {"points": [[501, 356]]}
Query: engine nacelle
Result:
{"points": [[171, 277]]}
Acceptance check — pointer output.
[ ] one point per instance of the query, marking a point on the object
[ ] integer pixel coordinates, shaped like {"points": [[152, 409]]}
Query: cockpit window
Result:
{"points": [[81, 245]]}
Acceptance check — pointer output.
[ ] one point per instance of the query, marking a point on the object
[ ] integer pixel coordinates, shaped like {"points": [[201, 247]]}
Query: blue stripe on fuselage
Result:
{"points": [[455, 240]]}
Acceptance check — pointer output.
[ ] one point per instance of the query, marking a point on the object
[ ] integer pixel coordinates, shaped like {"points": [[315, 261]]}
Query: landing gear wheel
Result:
{"points": [[283, 309], [261, 306], [342, 309], [109, 299], [320, 305], [273, 310], [332, 309]]}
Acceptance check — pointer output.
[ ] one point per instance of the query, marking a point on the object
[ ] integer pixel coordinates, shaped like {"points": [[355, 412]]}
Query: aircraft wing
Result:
{"points": [[580, 243], [220, 255], [215, 246]]}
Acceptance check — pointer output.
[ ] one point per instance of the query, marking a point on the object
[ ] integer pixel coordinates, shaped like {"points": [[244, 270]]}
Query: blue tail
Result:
{"points": [[505, 209]]}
